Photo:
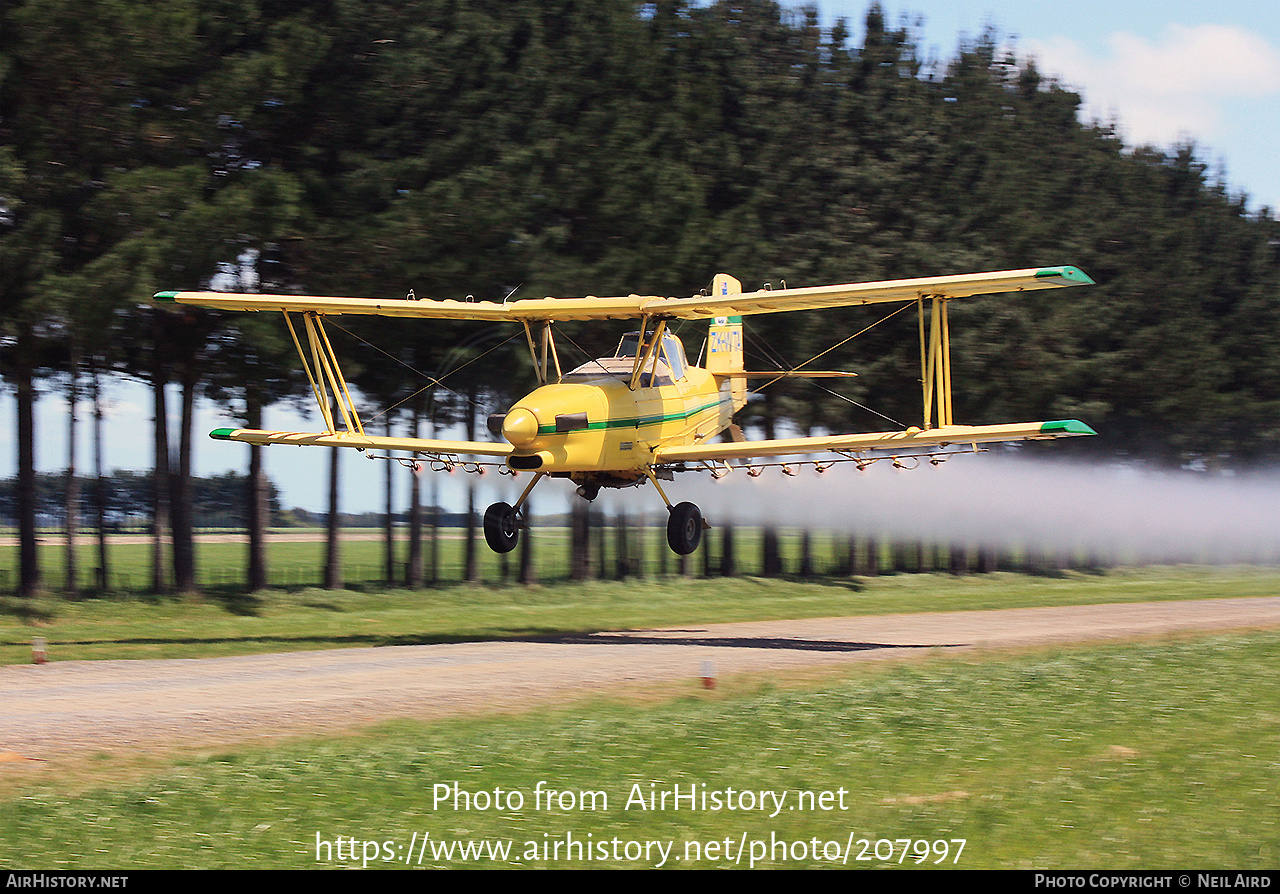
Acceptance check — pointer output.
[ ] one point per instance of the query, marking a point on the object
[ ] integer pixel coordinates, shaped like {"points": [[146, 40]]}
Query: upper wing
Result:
{"points": [[779, 300], [361, 442], [554, 309], [631, 306], [900, 440]]}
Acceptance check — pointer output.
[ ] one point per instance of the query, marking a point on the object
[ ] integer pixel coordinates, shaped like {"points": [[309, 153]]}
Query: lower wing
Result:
{"points": [[942, 436], [361, 442]]}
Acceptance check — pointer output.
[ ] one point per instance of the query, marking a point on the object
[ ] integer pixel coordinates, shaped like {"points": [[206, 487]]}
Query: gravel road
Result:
{"points": [[87, 706]]}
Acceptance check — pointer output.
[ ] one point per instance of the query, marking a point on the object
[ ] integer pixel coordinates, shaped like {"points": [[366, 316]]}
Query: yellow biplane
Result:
{"points": [[646, 411]]}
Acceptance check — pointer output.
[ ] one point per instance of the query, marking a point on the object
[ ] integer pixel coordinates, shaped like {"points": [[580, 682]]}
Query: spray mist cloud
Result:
{"points": [[1116, 512]]}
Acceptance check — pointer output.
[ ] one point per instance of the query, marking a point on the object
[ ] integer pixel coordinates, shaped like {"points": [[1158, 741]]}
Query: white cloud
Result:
{"points": [[1168, 89], [1201, 60]]}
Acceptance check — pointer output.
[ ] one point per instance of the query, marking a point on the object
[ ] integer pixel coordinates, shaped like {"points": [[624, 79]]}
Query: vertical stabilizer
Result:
{"points": [[725, 342]]}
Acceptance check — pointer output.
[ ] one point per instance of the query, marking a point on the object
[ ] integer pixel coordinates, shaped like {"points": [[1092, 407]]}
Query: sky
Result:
{"points": [[1166, 71]]}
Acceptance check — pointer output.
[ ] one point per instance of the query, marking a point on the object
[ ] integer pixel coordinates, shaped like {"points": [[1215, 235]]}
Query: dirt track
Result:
{"points": [[80, 706]]}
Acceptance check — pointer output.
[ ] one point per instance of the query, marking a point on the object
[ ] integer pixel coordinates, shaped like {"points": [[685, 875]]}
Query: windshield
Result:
{"points": [[629, 345], [672, 352]]}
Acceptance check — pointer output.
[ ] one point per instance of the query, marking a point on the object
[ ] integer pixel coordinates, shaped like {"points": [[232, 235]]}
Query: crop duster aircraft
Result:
{"points": [[646, 411]]}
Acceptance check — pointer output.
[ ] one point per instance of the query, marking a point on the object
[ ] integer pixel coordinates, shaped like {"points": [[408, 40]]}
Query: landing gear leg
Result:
{"points": [[502, 522], [685, 524]]}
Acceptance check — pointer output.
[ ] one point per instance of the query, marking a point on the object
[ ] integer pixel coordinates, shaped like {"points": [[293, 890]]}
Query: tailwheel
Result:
{"points": [[501, 527], [684, 528]]}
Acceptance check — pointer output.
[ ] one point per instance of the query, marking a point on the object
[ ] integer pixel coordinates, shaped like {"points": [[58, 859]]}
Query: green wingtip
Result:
{"points": [[1073, 275], [221, 434], [1066, 427], [165, 296]]}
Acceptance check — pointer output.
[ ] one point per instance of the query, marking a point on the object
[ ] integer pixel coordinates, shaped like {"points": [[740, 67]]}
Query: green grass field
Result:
{"points": [[1151, 755], [290, 564]]}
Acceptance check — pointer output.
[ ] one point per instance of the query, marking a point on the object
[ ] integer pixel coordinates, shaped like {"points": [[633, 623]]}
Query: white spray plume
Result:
{"points": [[1109, 511]]}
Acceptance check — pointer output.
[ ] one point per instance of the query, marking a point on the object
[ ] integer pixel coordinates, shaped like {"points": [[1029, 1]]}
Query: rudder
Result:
{"points": [[725, 342]]}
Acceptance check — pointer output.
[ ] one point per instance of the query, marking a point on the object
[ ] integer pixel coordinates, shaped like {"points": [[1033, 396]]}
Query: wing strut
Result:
{"points": [[935, 361], [542, 365], [327, 383], [647, 352]]}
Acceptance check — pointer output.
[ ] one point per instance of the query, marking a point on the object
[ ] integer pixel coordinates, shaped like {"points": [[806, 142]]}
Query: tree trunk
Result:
{"points": [[159, 479], [806, 553], [705, 549], [99, 487], [472, 564], [527, 574], [413, 574], [638, 547], [579, 542], [71, 510], [389, 531], [597, 521], [728, 559], [332, 557], [256, 500], [28, 562], [771, 559], [622, 550], [434, 542], [181, 509]]}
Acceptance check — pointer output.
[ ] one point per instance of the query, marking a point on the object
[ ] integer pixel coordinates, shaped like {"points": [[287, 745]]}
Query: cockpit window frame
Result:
{"points": [[671, 353]]}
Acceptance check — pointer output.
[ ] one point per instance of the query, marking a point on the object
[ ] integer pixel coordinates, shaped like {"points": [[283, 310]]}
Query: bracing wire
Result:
{"points": [[432, 381], [775, 357]]}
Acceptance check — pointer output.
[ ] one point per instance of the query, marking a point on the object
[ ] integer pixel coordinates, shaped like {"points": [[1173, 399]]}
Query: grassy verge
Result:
{"points": [[1157, 754], [231, 623]]}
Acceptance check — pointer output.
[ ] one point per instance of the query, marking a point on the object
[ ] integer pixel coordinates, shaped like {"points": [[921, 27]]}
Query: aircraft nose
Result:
{"points": [[520, 427]]}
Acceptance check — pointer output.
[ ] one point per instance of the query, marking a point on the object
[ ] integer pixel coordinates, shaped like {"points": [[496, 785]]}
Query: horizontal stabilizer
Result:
{"points": [[792, 374]]}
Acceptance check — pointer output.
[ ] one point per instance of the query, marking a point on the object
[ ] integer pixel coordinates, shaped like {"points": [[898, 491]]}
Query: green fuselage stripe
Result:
{"points": [[635, 422]]}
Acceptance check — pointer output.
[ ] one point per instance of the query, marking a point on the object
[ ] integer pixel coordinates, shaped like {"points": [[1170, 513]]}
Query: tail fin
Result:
{"points": [[724, 342]]}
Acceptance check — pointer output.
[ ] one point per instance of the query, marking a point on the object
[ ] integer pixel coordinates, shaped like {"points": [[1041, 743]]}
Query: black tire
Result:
{"points": [[684, 528], [501, 528]]}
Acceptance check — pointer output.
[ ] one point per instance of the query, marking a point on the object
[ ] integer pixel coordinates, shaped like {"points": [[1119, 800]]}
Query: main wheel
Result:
{"points": [[684, 528], [501, 528]]}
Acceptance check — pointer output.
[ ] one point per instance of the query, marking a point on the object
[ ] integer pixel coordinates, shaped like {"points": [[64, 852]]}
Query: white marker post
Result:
{"points": [[708, 675]]}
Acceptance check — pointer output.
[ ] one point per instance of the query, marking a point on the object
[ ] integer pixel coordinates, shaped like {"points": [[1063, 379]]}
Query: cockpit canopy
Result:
{"points": [[669, 367], [672, 351]]}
